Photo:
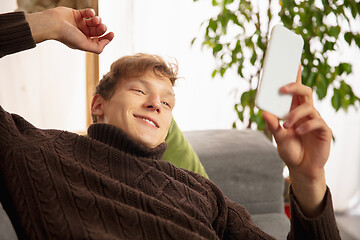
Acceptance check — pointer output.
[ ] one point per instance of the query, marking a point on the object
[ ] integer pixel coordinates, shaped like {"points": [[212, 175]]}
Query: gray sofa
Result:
{"points": [[247, 168], [244, 164]]}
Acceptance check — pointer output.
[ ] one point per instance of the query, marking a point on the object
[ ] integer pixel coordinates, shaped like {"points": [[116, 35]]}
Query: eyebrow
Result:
{"points": [[144, 82]]}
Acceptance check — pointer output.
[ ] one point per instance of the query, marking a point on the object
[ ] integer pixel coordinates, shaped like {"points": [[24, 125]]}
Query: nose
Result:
{"points": [[153, 103]]}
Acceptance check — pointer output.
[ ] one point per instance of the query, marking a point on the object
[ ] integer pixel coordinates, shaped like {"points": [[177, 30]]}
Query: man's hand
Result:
{"points": [[304, 144], [78, 29]]}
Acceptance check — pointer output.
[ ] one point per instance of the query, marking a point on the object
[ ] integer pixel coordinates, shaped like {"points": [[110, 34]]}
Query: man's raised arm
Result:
{"points": [[78, 29], [304, 144]]}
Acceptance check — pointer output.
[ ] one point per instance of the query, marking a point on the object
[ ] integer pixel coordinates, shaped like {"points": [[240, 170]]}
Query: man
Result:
{"points": [[113, 185], [137, 96]]}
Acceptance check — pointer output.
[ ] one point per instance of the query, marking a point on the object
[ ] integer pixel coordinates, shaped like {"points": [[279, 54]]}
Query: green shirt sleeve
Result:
{"points": [[180, 153]]}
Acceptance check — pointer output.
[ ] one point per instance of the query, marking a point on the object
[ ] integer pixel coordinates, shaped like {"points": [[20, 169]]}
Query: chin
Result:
{"points": [[149, 142], [150, 145]]}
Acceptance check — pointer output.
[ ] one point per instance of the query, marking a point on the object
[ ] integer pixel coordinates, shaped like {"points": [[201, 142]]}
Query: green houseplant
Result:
{"points": [[238, 37]]}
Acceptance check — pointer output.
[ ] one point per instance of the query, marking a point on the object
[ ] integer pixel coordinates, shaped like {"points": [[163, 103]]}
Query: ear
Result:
{"points": [[97, 106]]}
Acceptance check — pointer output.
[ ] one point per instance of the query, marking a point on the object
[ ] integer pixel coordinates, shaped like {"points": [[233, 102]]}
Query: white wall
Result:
{"points": [[343, 167], [45, 85]]}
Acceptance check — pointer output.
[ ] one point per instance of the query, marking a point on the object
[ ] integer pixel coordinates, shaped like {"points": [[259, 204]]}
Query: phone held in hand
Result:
{"points": [[281, 63]]}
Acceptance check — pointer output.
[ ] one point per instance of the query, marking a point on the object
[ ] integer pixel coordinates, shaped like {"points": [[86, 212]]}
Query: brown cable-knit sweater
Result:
{"points": [[58, 185]]}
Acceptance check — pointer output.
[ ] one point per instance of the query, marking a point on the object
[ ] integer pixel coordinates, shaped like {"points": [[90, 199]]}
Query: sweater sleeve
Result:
{"points": [[240, 226], [321, 227], [15, 33]]}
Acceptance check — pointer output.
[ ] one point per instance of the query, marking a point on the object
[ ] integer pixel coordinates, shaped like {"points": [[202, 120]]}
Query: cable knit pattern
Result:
{"points": [[15, 33], [66, 186]]}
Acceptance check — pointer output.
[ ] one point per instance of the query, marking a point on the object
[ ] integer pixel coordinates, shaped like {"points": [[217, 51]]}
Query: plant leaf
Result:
{"points": [[335, 100], [321, 86], [217, 48], [213, 74], [357, 39], [334, 31], [349, 37], [213, 25], [253, 58], [310, 81], [222, 71], [344, 67]]}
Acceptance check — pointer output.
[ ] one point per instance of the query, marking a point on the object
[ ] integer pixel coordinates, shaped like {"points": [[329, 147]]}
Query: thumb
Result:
{"points": [[105, 40], [273, 125], [97, 45]]}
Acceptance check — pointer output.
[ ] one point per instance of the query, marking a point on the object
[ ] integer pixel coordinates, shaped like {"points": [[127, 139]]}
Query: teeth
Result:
{"points": [[151, 122]]}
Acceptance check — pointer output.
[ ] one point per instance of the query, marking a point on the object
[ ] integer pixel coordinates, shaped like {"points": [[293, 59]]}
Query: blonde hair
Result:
{"points": [[134, 66]]}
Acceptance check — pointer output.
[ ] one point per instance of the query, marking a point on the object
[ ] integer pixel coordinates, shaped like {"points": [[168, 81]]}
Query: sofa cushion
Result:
{"points": [[7, 232], [244, 164], [180, 153], [274, 224]]}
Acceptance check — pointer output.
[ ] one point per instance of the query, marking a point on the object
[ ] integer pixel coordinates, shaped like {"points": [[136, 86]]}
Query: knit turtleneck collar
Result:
{"points": [[117, 138]]}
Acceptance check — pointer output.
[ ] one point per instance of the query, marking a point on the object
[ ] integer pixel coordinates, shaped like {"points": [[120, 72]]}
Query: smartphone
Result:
{"points": [[281, 63]]}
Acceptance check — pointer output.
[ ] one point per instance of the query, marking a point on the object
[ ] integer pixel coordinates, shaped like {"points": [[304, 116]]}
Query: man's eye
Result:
{"points": [[166, 104], [139, 91]]}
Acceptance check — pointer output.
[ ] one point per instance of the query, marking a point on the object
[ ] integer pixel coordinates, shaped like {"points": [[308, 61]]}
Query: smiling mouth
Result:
{"points": [[147, 120]]}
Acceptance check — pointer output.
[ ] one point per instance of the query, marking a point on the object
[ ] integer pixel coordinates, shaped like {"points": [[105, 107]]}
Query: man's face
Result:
{"points": [[142, 107]]}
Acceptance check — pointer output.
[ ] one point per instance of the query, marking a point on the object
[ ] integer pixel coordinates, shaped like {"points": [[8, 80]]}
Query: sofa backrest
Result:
{"points": [[244, 164]]}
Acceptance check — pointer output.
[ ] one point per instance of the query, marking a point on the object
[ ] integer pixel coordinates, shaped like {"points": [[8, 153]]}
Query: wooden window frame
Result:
{"points": [[92, 74]]}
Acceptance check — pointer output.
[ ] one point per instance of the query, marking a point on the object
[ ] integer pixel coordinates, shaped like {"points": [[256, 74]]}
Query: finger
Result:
{"points": [[93, 22], [314, 125], [97, 45], [297, 89], [97, 31], [81, 16], [304, 111], [298, 77], [296, 100], [273, 125], [108, 37], [79, 20], [105, 40], [86, 13]]}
